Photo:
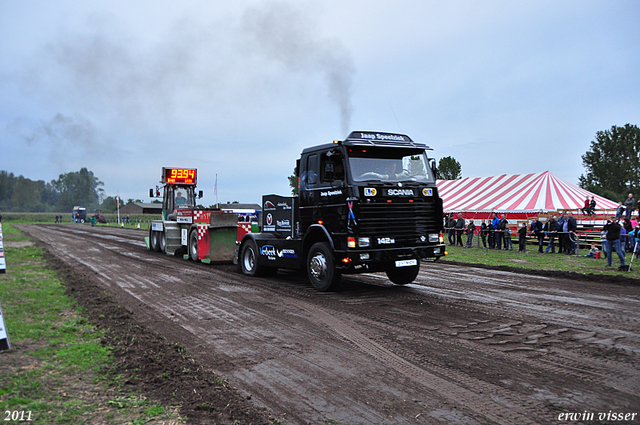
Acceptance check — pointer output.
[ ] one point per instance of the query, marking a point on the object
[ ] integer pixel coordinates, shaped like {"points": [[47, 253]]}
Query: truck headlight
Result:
{"points": [[364, 242], [434, 237]]}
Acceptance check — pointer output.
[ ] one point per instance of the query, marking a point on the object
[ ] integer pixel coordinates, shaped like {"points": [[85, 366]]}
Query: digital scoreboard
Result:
{"points": [[179, 175]]}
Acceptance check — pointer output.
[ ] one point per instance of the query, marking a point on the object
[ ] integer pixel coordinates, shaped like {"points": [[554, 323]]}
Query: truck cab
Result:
{"points": [[368, 203]]}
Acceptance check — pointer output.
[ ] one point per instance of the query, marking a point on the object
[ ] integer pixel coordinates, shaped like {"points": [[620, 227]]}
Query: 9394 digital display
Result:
{"points": [[179, 175]]}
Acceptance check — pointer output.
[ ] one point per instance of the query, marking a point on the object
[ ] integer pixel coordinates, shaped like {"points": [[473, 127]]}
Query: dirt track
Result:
{"points": [[460, 345]]}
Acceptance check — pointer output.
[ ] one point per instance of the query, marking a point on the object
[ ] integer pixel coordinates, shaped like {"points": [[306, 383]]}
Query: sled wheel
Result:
{"points": [[321, 269], [403, 275], [193, 245]]}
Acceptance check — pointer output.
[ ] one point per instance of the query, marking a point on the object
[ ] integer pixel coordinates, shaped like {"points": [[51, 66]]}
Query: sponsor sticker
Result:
{"points": [[370, 191], [268, 251], [427, 191], [287, 253]]}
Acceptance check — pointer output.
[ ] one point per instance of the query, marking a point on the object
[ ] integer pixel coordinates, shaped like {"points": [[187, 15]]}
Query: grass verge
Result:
{"points": [[532, 260], [58, 369]]}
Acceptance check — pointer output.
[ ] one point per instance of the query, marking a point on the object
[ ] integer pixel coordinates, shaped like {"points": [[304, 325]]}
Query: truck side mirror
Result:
{"points": [[200, 194], [151, 193], [432, 163]]}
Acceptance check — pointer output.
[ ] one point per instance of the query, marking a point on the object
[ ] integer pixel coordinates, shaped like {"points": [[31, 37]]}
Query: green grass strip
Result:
{"points": [[57, 370]]}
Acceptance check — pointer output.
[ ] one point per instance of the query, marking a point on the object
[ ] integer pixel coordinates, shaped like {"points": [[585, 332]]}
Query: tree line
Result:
{"points": [[80, 188]]}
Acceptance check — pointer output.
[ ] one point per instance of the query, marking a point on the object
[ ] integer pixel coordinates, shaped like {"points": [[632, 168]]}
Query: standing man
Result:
{"points": [[551, 227], [629, 204], [451, 222], [572, 226], [536, 230], [505, 232], [497, 236], [460, 225], [471, 228], [613, 242], [483, 234], [560, 233]]}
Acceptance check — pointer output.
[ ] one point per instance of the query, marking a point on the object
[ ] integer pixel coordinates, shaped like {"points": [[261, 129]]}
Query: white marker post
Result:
{"points": [[4, 337], [3, 264]]}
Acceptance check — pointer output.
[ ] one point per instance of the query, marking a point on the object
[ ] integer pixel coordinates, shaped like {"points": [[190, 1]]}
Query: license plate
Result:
{"points": [[406, 263]]}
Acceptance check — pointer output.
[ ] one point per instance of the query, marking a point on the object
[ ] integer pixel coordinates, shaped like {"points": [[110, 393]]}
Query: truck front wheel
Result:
{"points": [[321, 269], [403, 275]]}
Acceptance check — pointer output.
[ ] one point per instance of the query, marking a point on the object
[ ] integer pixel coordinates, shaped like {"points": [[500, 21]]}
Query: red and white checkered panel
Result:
{"points": [[243, 229], [203, 241]]}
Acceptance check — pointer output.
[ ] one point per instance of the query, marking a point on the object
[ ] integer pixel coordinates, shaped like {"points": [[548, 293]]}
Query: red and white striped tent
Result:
{"points": [[524, 194]]}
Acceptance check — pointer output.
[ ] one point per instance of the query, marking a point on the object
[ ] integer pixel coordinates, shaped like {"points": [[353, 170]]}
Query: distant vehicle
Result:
{"points": [[99, 217], [79, 214], [184, 229]]}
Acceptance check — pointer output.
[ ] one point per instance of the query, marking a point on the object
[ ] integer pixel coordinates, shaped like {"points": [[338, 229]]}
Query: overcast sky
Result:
{"points": [[239, 88]]}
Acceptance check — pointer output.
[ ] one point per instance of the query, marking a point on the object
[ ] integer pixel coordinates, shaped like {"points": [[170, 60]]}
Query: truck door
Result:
{"points": [[322, 190]]}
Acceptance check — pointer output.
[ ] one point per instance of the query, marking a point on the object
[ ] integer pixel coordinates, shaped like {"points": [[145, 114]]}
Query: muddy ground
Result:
{"points": [[460, 345]]}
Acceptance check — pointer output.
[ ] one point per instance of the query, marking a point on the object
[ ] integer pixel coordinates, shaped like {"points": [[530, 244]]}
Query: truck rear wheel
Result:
{"points": [[403, 275], [321, 269], [193, 245]]}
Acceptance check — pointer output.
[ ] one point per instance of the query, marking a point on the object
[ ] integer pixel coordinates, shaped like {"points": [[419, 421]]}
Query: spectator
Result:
{"points": [[471, 228], [585, 207], [505, 232], [560, 227], [451, 223], [613, 242], [572, 226], [483, 234], [629, 205], [522, 239], [603, 238], [619, 211], [592, 206], [624, 241], [536, 230], [551, 228], [460, 225], [593, 252], [491, 231], [497, 233], [635, 234]]}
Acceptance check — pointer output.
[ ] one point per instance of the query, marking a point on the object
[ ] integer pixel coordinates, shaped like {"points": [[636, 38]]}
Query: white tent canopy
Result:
{"points": [[516, 192]]}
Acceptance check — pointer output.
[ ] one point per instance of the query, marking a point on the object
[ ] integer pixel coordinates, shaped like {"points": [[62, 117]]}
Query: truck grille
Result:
{"points": [[403, 221]]}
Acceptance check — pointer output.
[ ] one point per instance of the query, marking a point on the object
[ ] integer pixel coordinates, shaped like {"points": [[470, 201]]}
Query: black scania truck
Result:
{"points": [[368, 203]]}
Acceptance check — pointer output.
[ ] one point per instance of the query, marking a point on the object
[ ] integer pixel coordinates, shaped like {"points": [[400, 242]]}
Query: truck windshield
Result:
{"points": [[389, 164], [184, 197]]}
